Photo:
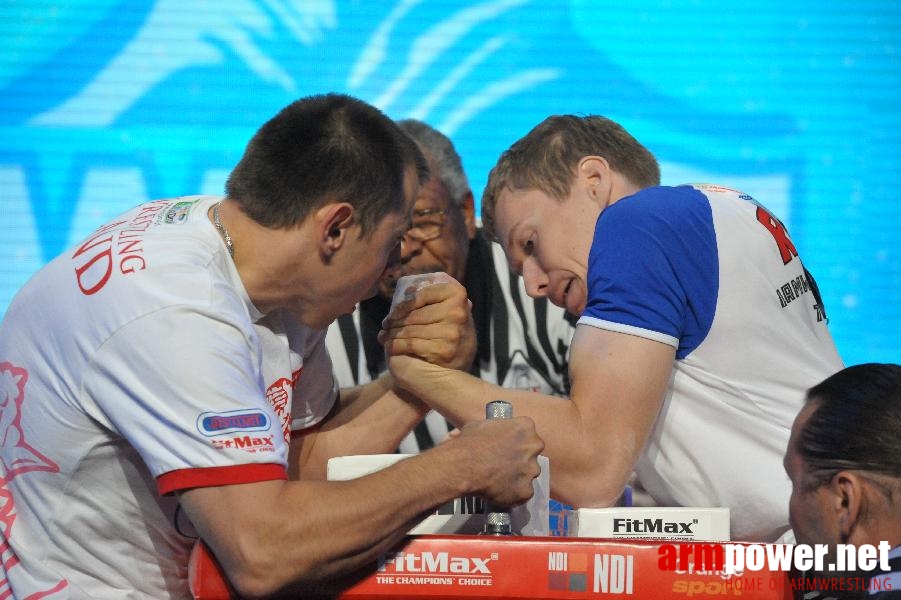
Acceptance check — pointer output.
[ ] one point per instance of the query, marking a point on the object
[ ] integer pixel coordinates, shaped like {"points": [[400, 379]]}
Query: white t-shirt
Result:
{"points": [[132, 366], [710, 272]]}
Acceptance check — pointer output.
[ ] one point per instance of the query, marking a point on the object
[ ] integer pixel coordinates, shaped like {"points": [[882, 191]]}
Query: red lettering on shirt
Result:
{"points": [[96, 252], [777, 229], [121, 241]]}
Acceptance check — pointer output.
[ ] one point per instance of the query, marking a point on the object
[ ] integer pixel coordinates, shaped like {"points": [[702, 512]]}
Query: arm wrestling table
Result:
{"points": [[514, 567]]}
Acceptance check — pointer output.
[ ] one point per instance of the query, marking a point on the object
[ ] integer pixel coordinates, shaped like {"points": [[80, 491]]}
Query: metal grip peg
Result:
{"points": [[498, 409], [497, 521]]}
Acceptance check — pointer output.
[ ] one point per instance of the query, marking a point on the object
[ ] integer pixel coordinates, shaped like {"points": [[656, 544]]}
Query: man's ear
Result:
{"points": [[849, 502], [468, 210], [334, 222], [595, 172]]}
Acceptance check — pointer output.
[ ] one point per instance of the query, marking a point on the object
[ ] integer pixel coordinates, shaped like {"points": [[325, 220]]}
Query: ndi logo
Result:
{"points": [[613, 573], [219, 423], [567, 571]]}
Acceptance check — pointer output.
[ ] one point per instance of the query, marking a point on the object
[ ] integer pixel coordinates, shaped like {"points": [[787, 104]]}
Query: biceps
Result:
{"points": [[303, 461], [619, 379], [220, 513]]}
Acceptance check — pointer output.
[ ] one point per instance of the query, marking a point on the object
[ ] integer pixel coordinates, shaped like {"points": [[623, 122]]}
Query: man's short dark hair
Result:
{"points": [[856, 424], [547, 157], [321, 149]]}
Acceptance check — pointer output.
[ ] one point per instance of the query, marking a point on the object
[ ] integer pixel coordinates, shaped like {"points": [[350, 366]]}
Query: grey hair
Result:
{"points": [[444, 160]]}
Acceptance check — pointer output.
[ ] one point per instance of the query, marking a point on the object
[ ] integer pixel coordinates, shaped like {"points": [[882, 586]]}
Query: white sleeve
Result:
{"points": [[184, 389]]}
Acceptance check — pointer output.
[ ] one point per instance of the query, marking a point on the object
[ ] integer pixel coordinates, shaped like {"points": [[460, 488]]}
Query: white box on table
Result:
{"points": [[463, 515], [658, 522]]}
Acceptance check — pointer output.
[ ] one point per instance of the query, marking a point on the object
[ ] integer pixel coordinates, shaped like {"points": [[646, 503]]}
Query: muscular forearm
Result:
{"points": [[591, 455], [343, 526], [589, 464], [272, 534], [370, 419]]}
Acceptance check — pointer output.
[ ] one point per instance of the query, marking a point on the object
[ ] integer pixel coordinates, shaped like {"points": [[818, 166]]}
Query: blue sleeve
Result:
{"points": [[653, 269]]}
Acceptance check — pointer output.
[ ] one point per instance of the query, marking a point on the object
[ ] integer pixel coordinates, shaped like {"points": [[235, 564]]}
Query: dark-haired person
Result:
{"points": [[166, 380], [521, 342], [844, 461], [699, 328]]}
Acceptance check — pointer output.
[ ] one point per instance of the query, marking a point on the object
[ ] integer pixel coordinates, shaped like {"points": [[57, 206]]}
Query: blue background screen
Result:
{"points": [[108, 103]]}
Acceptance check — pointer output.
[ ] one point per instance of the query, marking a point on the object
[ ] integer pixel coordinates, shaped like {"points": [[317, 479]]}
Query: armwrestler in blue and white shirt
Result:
{"points": [[700, 328]]}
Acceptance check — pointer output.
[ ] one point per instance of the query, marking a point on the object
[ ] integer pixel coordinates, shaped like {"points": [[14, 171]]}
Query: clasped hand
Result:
{"points": [[434, 325]]}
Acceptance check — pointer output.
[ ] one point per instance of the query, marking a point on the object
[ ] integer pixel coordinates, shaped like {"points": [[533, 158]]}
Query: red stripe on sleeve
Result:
{"points": [[213, 476]]}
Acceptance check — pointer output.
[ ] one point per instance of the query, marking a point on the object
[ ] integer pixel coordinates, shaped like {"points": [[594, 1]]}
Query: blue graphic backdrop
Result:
{"points": [[107, 103]]}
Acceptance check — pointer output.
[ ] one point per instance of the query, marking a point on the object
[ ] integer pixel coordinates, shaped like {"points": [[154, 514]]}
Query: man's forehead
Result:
{"points": [[510, 209], [804, 414], [433, 194], [411, 189], [515, 200], [797, 427]]}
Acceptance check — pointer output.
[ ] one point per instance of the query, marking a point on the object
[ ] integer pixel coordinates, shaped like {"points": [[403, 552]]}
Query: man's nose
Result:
{"points": [[409, 246], [534, 278]]}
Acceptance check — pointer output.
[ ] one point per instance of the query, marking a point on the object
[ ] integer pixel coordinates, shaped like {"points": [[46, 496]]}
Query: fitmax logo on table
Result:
{"points": [[654, 526], [435, 568], [435, 562]]}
